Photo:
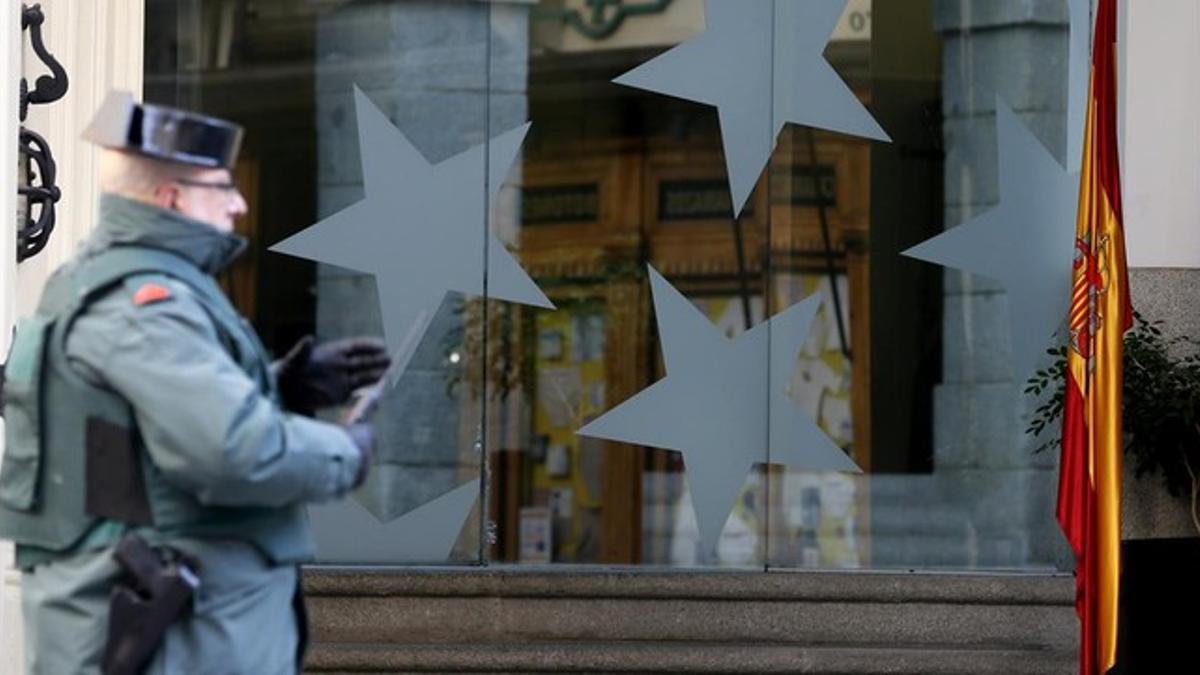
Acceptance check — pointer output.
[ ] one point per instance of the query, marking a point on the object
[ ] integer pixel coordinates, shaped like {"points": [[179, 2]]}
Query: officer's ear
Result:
{"points": [[166, 196]]}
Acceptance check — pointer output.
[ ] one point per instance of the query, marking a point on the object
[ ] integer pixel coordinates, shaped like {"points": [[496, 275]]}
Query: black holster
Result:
{"points": [[158, 590]]}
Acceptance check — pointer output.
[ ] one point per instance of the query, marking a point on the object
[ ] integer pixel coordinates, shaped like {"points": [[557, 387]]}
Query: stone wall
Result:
{"points": [[1169, 295]]}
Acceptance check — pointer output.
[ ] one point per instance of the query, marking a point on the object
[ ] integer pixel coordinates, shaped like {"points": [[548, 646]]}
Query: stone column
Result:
{"points": [[100, 46], [982, 459], [10, 65]]}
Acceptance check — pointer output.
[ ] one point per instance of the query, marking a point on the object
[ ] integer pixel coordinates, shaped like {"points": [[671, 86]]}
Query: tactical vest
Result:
{"points": [[75, 465]]}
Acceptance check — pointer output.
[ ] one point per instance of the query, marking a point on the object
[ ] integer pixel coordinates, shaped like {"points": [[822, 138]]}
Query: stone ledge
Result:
{"points": [[607, 582]]}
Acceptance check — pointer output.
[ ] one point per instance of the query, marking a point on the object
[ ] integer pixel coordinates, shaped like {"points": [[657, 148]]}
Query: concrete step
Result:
{"points": [[641, 657], [570, 618]]}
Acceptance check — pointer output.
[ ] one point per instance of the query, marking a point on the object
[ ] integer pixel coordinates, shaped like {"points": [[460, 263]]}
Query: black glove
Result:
{"points": [[324, 375], [363, 435]]}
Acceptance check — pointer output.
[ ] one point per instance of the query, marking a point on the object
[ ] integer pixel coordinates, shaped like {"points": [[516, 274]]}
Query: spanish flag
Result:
{"points": [[1089, 488]]}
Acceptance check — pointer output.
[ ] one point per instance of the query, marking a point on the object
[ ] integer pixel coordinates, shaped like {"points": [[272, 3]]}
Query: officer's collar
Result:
{"points": [[125, 221]]}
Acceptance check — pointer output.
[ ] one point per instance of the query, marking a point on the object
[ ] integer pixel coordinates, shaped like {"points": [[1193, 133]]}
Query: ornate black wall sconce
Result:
{"points": [[601, 18], [37, 187]]}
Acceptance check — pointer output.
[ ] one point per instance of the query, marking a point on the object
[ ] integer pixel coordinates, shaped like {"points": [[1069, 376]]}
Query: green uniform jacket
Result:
{"points": [[211, 430]]}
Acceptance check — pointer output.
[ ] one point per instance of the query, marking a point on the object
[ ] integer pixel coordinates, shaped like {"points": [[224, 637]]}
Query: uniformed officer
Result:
{"points": [[140, 406]]}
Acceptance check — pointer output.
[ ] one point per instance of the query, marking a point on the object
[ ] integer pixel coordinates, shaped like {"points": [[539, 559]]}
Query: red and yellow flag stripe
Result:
{"points": [[1089, 491]]}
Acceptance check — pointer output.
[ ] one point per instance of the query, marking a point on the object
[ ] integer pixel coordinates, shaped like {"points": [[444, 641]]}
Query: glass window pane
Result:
{"points": [[288, 72], [661, 412]]}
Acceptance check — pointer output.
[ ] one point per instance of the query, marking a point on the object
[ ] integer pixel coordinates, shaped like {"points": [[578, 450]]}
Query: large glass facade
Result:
{"points": [[598, 272]]}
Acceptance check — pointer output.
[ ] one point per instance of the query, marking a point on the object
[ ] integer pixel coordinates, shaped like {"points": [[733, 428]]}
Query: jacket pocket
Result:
{"points": [[22, 415]]}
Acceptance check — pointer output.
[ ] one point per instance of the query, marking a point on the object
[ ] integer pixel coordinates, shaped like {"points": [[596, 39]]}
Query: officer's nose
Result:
{"points": [[238, 207]]}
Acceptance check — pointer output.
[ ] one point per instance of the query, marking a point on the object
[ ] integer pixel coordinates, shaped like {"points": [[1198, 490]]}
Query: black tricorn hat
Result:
{"points": [[164, 133]]}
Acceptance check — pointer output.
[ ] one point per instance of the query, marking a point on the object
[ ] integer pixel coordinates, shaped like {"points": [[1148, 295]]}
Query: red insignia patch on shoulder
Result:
{"points": [[150, 293]]}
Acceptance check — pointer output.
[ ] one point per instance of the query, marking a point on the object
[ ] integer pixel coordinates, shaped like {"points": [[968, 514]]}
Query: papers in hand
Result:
{"points": [[364, 402]]}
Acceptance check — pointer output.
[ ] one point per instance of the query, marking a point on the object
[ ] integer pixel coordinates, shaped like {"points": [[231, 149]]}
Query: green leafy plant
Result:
{"points": [[1160, 407]]}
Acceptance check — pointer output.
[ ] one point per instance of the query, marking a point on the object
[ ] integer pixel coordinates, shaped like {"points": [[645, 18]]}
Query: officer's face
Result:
{"points": [[210, 197]]}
